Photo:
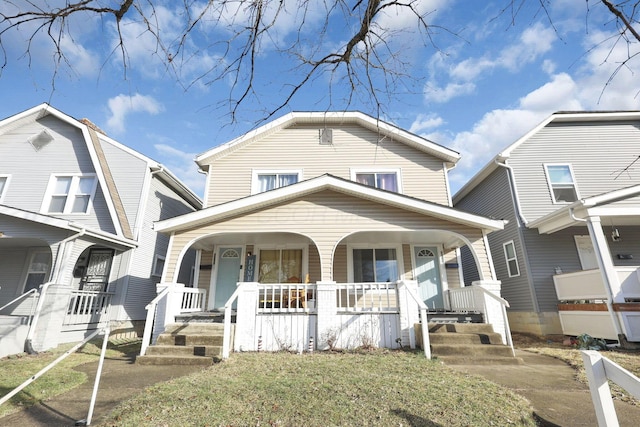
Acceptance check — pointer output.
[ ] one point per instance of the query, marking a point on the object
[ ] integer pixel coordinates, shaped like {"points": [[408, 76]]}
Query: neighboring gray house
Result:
{"points": [[568, 258], [76, 214]]}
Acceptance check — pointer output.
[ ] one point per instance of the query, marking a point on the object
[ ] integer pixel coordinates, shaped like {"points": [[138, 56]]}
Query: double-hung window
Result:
{"points": [[270, 180], [387, 179], [38, 271], [69, 194], [511, 259], [280, 266], [4, 183], [375, 265], [561, 183]]}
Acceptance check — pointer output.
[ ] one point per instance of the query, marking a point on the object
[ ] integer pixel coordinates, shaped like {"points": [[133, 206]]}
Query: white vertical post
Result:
{"points": [[96, 383], [409, 314], [326, 309], [245, 333], [599, 387]]}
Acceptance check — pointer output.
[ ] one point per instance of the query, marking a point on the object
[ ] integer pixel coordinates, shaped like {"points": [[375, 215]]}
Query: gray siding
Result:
{"points": [[493, 198], [423, 176], [128, 172], [598, 152], [66, 154]]}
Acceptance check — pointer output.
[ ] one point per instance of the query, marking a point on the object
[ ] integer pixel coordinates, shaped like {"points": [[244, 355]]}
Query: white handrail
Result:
{"points": [[425, 323], [18, 298], [148, 324], [599, 371], [226, 338]]}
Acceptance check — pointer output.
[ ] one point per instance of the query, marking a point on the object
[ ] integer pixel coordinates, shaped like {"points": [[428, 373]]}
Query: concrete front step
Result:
{"points": [[479, 360], [468, 328], [176, 350], [189, 340], [175, 360], [462, 338], [471, 350]]}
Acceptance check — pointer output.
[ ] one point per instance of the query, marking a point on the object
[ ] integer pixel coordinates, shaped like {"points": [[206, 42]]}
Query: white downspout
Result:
{"points": [[514, 187]]}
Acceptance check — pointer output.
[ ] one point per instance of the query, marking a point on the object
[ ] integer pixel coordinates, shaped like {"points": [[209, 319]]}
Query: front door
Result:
{"points": [[228, 275], [586, 252], [98, 269], [428, 277]]}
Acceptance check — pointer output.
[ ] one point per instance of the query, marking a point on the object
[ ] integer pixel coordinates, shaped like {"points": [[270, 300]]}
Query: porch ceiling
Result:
{"points": [[9, 242]]}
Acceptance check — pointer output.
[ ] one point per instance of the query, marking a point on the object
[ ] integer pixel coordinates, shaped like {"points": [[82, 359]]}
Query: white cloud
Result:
{"points": [[424, 122], [443, 94], [123, 105], [182, 165]]}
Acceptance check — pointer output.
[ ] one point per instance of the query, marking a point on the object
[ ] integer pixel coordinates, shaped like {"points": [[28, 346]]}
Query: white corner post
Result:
{"points": [[327, 310], [409, 313], [608, 271], [52, 310], [245, 337], [494, 311], [168, 307]]}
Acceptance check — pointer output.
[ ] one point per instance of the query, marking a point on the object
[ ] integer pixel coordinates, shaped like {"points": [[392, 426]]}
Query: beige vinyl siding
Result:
{"points": [[453, 275], [597, 152], [423, 176], [315, 269], [407, 274], [327, 217], [206, 267], [340, 269]]}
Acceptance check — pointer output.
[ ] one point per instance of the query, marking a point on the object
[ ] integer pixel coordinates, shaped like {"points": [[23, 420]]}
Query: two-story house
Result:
{"points": [[76, 215], [319, 215], [568, 258]]}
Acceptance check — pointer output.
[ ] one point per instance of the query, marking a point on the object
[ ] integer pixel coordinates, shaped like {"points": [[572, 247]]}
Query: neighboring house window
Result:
{"points": [[561, 183], [38, 271], [270, 180], [512, 260], [4, 183], [69, 194], [375, 265], [280, 266], [382, 179], [158, 266]]}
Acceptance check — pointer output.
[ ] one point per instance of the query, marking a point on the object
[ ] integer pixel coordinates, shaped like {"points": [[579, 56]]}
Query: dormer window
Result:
{"points": [[387, 179], [69, 194], [270, 180], [561, 183]]}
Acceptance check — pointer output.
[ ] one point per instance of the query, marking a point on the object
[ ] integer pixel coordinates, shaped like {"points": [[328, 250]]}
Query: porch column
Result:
{"points": [[409, 313], [48, 327], [326, 309], [605, 263], [168, 307], [245, 338], [493, 311]]}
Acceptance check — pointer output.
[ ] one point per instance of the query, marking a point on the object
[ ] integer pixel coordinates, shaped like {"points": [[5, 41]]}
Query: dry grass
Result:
{"points": [[630, 360]]}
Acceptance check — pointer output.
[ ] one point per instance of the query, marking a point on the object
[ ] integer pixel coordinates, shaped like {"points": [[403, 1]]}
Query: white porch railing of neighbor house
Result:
{"points": [[33, 294], [583, 304], [600, 371], [476, 299], [88, 307], [172, 300]]}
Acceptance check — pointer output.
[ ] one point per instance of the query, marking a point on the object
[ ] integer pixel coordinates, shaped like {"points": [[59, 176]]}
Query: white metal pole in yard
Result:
{"points": [[96, 383]]}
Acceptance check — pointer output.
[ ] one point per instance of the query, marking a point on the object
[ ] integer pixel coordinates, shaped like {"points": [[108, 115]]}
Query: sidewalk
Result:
{"points": [[549, 384]]}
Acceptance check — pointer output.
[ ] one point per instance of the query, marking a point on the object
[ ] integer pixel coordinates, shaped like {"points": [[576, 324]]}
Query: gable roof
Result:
{"points": [[557, 117], [331, 119], [324, 182], [93, 139]]}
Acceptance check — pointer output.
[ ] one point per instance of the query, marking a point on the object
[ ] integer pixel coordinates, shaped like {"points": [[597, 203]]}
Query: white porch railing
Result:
{"points": [[32, 293], [477, 299], [286, 297], [358, 297], [88, 307], [599, 371], [193, 300]]}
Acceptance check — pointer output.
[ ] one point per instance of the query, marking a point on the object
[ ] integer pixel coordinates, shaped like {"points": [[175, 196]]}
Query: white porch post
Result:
{"points": [[326, 309], [245, 338], [49, 325], [607, 269], [492, 308], [409, 314], [168, 307]]}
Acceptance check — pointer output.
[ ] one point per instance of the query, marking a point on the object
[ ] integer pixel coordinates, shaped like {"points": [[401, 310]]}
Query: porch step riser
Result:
{"points": [[459, 338], [190, 340], [470, 350], [465, 328], [172, 350], [194, 328], [175, 360]]}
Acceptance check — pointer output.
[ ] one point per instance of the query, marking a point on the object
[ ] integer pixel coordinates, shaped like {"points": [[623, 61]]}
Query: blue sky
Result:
{"points": [[486, 82]]}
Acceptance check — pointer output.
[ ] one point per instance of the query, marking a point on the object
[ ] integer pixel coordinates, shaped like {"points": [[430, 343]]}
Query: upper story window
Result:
{"points": [[561, 183], [69, 194], [4, 183], [270, 180], [384, 179]]}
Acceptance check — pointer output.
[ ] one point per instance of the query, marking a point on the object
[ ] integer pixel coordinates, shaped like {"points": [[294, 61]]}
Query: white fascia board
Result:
{"points": [[330, 118], [317, 184], [612, 196]]}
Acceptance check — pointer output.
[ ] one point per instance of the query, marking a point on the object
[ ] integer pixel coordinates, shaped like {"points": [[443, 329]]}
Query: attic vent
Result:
{"points": [[40, 140], [326, 136]]}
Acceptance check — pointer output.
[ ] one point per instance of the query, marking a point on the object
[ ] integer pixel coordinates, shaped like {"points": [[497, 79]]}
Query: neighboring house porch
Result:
{"points": [[602, 300], [327, 263]]}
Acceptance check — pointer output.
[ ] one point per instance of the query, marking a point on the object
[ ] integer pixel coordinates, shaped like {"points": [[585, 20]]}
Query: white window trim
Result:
{"points": [[573, 178], [507, 259], [154, 268], [75, 178], [6, 186], [351, 247], [305, 256], [255, 184], [31, 254], [397, 171]]}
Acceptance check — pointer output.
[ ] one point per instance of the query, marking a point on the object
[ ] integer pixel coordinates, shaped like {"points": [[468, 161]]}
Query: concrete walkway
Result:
{"points": [[549, 384]]}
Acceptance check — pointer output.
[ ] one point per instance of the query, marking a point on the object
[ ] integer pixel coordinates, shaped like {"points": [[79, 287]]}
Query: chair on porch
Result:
{"points": [[296, 298]]}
